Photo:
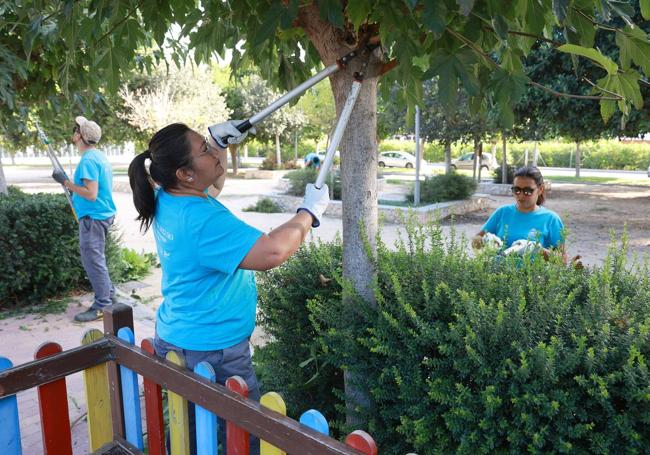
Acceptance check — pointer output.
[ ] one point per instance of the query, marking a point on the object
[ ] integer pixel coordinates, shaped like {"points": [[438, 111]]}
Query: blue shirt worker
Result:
{"points": [[92, 199], [208, 256], [526, 219]]}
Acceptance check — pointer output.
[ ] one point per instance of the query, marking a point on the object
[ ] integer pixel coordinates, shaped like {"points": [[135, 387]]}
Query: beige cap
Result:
{"points": [[90, 131]]}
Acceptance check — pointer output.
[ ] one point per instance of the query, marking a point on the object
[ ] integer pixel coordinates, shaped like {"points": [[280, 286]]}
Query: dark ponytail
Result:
{"points": [[533, 173], [169, 150]]}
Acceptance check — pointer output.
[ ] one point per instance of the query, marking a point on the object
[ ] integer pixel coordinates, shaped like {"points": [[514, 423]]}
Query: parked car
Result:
{"points": [[397, 158], [466, 161]]}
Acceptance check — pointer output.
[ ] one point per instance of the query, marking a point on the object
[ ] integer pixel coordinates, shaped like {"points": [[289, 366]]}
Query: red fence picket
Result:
{"points": [[53, 407]]}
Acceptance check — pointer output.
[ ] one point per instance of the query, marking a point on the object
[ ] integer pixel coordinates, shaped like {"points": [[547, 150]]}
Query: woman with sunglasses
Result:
{"points": [[527, 218], [206, 253]]}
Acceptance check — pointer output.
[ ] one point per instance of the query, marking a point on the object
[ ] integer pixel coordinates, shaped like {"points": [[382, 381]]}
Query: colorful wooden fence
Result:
{"points": [[100, 353]]}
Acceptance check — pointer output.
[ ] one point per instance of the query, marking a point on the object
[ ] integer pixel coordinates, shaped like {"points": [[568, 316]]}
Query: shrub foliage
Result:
{"points": [[467, 354], [39, 250], [299, 178], [445, 187]]}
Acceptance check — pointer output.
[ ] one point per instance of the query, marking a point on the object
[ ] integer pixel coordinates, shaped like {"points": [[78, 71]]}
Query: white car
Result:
{"points": [[397, 158], [466, 161]]}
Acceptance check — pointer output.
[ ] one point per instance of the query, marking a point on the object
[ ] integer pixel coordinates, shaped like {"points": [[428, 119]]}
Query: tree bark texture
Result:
{"points": [[278, 154], [3, 181], [358, 170], [447, 157], [504, 162], [232, 148]]}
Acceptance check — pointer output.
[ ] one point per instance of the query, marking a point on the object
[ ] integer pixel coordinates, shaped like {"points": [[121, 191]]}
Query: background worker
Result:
{"points": [[207, 254], [527, 218], [92, 199]]}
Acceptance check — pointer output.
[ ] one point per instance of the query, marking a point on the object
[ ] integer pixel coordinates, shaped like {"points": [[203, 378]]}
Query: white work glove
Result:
{"points": [[492, 240], [521, 247], [227, 133], [315, 202]]}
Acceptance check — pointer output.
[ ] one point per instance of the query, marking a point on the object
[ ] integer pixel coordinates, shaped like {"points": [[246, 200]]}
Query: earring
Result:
{"points": [[190, 179]]}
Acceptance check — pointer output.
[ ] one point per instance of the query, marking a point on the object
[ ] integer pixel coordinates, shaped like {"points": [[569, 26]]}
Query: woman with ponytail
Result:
{"points": [[526, 219], [207, 254]]}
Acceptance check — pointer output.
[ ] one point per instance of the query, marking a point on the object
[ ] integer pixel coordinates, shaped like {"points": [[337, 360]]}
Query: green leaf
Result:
{"points": [[410, 3], [500, 27], [331, 11], [607, 109], [465, 6], [434, 16], [270, 25], [645, 9], [560, 8], [592, 54], [584, 29], [634, 46], [358, 11]]}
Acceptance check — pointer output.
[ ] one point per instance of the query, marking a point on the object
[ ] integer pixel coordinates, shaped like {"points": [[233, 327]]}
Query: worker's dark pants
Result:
{"points": [[92, 243], [233, 361]]}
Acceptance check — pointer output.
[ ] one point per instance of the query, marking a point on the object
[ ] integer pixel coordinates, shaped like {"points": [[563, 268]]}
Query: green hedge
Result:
{"points": [[299, 178], [445, 187], [467, 355], [39, 250]]}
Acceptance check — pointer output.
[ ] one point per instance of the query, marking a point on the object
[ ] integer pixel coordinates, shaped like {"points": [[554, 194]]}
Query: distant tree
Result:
{"points": [[187, 95], [257, 94]]}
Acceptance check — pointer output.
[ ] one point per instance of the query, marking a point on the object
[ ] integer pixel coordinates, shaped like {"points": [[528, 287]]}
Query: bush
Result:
{"points": [[467, 355], [39, 249], [264, 205], [496, 175], [445, 187], [298, 179]]}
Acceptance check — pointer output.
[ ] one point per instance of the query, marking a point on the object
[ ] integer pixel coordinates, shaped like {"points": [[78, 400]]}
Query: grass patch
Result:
{"points": [[51, 306], [264, 205], [599, 180]]}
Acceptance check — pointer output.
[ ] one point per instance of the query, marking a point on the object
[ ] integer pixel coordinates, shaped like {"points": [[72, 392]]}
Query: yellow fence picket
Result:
{"points": [[100, 426], [273, 401], [179, 428]]}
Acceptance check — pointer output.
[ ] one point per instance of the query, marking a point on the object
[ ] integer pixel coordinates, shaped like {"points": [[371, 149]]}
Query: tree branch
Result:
{"points": [[117, 24], [489, 59], [601, 89], [528, 35], [595, 23]]}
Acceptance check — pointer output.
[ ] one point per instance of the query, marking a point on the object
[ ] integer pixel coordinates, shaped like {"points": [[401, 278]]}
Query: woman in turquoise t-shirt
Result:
{"points": [[206, 253], [527, 219]]}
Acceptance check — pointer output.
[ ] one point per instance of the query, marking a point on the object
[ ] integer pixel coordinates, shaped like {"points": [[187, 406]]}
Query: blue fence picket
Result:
{"points": [[316, 421], [131, 397], [206, 422], [10, 434]]}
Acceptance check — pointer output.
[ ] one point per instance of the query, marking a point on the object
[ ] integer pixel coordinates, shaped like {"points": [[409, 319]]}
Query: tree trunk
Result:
{"points": [[477, 160], [478, 150], [578, 158], [447, 157], [278, 155], [504, 162], [295, 148], [232, 148], [358, 173], [3, 181], [246, 151]]}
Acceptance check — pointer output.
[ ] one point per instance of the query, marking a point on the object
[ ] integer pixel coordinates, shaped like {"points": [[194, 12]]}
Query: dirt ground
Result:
{"points": [[592, 213]]}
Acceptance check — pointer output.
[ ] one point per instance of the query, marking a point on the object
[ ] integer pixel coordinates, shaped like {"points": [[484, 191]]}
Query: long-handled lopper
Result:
{"points": [[341, 124], [56, 165]]}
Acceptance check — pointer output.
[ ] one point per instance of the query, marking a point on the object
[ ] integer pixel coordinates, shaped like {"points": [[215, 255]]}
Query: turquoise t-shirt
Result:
{"points": [[94, 166], [542, 225], [208, 303]]}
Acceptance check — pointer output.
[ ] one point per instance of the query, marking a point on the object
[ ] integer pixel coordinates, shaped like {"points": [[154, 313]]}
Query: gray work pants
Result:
{"points": [[233, 361], [92, 244]]}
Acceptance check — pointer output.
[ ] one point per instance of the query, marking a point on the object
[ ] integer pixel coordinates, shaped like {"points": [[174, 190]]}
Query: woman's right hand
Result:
{"points": [[315, 202]]}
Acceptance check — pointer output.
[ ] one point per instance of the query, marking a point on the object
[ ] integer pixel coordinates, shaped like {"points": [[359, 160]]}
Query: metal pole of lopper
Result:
{"points": [[416, 192], [284, 99], [57, 166], [340, 129]]}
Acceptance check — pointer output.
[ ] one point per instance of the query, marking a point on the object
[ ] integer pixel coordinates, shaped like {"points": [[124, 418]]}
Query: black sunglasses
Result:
{"points": [[526, 190]]}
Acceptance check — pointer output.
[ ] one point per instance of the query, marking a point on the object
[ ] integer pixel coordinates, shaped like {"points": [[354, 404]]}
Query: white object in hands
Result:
{"points": [[521, 247], [228, 132], [491, 240], [315, 202]]}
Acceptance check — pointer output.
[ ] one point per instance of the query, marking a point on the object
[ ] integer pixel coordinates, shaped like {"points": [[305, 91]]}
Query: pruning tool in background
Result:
{"points": [[341, 63], [57, 166]]}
